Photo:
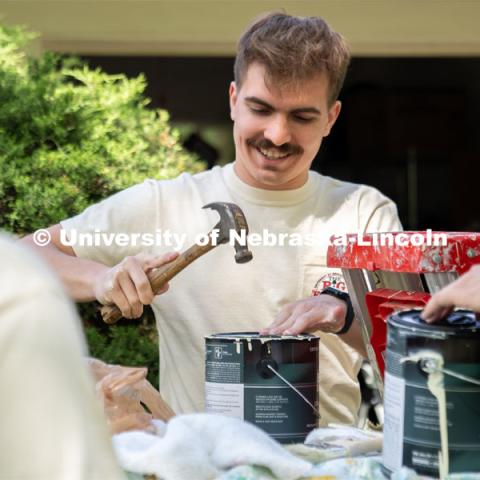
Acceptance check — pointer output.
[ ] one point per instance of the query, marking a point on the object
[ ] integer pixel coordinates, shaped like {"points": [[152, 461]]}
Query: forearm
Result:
{"points": [[77, 274]]}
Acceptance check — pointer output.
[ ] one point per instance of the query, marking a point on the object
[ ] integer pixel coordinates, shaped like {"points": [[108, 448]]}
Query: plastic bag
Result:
{"points": [[124, 393]]}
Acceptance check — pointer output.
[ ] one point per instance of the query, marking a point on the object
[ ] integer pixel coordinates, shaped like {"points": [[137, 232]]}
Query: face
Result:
{"points": [[278, 130]]}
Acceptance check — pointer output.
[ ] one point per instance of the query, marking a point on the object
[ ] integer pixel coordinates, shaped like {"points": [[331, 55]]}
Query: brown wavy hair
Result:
{"points": [[293, 49]]}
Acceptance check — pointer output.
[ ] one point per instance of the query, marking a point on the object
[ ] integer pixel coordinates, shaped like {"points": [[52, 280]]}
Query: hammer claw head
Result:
{"points": [[232, 218]]}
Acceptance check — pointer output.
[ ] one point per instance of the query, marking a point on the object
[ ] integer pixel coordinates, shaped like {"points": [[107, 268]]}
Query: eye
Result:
{"points": [[303, 119], [259, 110]]}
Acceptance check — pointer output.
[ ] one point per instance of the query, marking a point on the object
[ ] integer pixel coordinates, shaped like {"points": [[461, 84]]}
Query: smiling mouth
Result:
{"points": [[270, 154]]}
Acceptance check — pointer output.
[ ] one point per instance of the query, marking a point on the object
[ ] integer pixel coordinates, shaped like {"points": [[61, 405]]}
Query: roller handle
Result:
{"points": [[160, 276]]}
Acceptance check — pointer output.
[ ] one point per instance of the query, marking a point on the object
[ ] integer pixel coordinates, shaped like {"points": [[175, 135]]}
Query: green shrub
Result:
{"points": [[70, 136], [133, 344]]}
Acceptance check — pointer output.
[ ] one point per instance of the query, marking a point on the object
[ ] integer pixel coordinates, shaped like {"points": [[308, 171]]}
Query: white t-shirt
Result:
{"points": [[52, 427], [214, 294]]}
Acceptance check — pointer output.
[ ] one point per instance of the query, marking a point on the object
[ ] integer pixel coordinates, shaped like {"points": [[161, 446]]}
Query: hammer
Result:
{"points": [[231, 218]]}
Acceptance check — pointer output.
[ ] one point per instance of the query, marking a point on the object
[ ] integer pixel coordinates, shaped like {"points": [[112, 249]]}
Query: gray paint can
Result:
{"points": [[270, 381], [412, 430]]}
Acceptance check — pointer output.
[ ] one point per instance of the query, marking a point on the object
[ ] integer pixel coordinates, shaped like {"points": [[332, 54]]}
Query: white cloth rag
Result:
{"points": [[202, 446]]}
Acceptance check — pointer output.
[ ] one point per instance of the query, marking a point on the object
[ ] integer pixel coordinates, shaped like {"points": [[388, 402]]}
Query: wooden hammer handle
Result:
{"points": [[160, 276]]}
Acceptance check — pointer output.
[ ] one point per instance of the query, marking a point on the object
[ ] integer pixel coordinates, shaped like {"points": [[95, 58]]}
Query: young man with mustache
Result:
{"points": [[288, 74]]}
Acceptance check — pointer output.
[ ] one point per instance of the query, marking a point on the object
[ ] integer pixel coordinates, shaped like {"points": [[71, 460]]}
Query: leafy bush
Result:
{"points": [[126, 344], [70, 136]]}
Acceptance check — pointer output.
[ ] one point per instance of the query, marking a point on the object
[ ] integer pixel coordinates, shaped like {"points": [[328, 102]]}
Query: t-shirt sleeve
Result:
{"points": [[377, 212], [110, 230]]}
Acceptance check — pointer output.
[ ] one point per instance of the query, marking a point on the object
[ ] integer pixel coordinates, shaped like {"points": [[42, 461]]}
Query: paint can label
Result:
{"points": [[224, 388], [270, 382], [394, 405], [277, 408]]}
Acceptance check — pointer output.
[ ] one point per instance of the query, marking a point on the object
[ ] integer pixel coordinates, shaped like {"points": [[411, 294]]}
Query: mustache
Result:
{"points": [[285, 149]]}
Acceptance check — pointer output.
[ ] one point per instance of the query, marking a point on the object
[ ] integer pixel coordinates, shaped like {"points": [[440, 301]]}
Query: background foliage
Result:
{"points": [[70, 136]]}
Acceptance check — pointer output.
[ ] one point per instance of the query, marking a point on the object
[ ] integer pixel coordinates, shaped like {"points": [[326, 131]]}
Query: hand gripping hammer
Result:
{"points": [[231, 219]]}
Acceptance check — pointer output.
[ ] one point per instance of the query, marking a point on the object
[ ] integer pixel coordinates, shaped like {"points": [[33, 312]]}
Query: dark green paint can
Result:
{"points": [[247, 377], [412, 430]]}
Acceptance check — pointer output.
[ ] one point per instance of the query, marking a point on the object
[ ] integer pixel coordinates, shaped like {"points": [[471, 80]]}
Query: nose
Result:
{"points": [[277, 130]]}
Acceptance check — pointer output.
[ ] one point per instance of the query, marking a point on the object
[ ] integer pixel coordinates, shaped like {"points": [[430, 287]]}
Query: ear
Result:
{"points": [[232, 92], [332, 117]]}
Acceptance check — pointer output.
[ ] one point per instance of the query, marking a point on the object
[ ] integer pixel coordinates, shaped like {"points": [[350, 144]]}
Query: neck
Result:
{"points": [[246, 177]]}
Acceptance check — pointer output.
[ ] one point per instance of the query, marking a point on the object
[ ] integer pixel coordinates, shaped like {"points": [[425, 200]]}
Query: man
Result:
{"points": [[288, 73], [52, 426]]}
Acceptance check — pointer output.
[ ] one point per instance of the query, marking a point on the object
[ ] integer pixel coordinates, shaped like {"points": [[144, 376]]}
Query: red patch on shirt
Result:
{"points": [[334, 280]]}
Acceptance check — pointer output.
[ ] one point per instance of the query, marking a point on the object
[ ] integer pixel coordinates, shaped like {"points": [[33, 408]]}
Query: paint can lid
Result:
{"points": [[256, 336], [458, 321]]}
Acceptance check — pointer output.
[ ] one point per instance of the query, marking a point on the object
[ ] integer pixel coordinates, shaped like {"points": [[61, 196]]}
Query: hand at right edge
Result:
{"points": [[463, 292]]}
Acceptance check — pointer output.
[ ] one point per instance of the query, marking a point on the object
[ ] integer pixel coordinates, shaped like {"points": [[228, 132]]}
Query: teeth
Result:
{"points": [[273, 154]]}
